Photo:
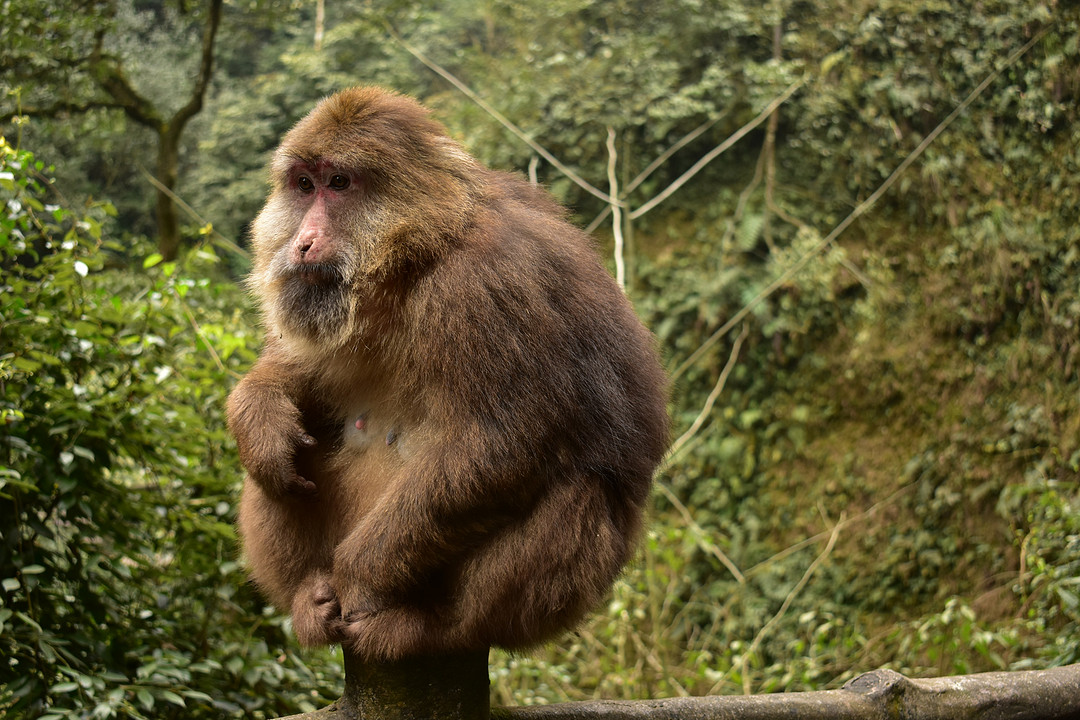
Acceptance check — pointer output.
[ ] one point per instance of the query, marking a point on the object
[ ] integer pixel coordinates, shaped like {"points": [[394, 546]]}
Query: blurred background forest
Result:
{"points": [[877, 429]]}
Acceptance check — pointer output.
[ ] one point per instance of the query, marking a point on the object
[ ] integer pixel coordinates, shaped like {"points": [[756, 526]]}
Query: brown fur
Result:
{"points": [[451, 432]]}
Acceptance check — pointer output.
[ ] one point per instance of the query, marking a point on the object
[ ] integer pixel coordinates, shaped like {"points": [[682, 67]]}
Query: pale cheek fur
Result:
{"points": [[272, 230]]}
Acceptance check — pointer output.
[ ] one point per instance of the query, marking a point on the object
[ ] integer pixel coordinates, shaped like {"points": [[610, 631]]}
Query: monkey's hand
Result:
{"points": [[268, 431], [320, 618], [316, 613]]}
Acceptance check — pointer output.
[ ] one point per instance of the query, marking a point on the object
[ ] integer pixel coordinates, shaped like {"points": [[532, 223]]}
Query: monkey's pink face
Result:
{"points": [[326, 194], [308, 242]]}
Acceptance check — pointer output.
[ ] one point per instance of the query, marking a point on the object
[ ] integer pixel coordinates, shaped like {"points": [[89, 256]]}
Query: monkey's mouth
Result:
{"points": [[313, 300], [317, 274]]}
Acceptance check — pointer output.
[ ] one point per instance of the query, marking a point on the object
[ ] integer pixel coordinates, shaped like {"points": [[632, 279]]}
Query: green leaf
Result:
{"points": [[235, 664], [173, 698], [152, 260], [1068, 598], [26, 365], [83, 452]]}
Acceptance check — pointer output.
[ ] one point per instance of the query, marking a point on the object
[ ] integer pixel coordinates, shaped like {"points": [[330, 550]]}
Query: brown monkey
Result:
{"points": [[452, 428]]}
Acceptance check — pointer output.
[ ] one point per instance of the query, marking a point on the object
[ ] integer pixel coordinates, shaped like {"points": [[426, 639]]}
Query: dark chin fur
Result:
{"points": [[314, 303]]}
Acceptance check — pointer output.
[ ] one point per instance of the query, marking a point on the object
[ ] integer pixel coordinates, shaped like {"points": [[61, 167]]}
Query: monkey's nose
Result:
{"points": [[306, 248]]}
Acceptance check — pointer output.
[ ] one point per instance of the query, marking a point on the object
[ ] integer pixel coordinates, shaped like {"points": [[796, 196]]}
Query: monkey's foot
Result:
{"points": [[393, 632], [359, 633], [316, 613]]}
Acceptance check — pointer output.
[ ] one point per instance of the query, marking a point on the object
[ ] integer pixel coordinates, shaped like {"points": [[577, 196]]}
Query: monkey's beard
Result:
{"points": [[312, 303]]}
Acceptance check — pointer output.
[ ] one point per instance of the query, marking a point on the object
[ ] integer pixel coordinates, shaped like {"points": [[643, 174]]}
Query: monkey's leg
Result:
{"points": [[287, 551], [525, 585], [316, 612], [542, 576], [397, 632]]}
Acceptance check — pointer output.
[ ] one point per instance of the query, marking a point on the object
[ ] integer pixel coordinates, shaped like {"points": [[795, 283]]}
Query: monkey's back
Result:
{"points": [[523, 332], [521, 328]]}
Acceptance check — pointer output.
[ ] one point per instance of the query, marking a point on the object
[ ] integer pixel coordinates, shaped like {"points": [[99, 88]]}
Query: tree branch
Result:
{"points": [[206, 68], [469, 93], [1052, 694], [616, 212], [109, 76], [719, 149]]}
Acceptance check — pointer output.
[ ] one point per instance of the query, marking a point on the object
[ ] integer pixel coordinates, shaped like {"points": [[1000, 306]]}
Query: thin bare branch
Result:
{"points": [[719, 149], [534, 163], [700, 534], [847, 264], [767, 627], [744, 198], [616, 211], [218, 238], [202, 336], [707, 409], [654, 165], [600, 218], [865, 514], [664, 156], [468, 92]]}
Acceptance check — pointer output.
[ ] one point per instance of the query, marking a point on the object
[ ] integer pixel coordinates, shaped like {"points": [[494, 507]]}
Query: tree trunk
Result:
{"points": [[451, 687], [168, 223]]}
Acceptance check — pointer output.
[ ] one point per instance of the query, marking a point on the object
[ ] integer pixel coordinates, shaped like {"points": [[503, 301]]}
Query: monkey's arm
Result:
{"points": [[266, 423]]}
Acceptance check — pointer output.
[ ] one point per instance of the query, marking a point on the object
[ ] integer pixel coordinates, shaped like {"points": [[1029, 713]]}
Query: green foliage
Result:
{"points": [[66, 75], [121, 591], [1046, 513]]}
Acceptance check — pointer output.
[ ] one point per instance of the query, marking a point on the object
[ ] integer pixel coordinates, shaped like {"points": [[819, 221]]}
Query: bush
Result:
{"points": [[121, 590]]}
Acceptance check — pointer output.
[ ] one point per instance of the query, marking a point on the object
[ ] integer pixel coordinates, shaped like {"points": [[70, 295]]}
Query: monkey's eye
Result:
{"points": [[339, 182], [305, 184]]}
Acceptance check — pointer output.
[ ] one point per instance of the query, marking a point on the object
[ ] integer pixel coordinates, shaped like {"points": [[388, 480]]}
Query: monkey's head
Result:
{"points": [[365, 188]]}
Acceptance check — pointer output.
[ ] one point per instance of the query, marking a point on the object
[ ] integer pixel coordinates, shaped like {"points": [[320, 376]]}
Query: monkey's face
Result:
{"points": [[363, 187], [310, 241]]}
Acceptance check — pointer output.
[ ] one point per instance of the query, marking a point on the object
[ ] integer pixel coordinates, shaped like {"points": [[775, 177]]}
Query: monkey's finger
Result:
{"points": [[303, 486], [307, 440]]}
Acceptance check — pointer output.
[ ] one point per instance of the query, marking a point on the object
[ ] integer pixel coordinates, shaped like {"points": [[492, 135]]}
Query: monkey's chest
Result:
{"points": [[365, 449], [365, 430]]}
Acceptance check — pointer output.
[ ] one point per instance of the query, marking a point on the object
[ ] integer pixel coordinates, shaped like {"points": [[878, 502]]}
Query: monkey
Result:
{"points": [[450, 432]]}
